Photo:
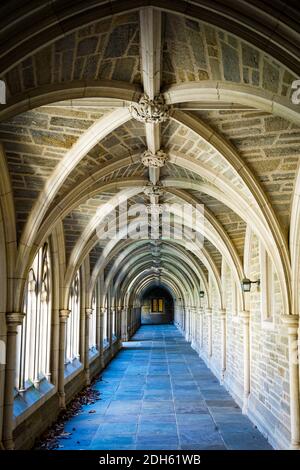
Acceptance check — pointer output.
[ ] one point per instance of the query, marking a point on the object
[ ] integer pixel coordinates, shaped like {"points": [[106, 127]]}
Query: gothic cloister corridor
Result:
{"points": [[150, 224], [158, 394]]}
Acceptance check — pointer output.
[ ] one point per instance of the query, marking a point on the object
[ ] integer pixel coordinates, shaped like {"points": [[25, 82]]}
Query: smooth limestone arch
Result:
{"points": [[237, 164], [148, 259], [169, 247], [209, 191], [118, 95], [144, 281], [143, 277], [125, 278], [231, 92], [105, 258], [172, 271], [111, 250], [294, 239], [144, 285], [87, 141], [181, 98], [3, 325], [10, 233], [85, 244], [238, 204], [150, 279], [194, 283], [145, 274]]}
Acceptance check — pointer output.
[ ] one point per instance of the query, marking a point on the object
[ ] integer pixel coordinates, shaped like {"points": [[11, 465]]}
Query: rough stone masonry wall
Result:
{"points": [[269, 398], [268, 405], [234, 349], [216, 332]]}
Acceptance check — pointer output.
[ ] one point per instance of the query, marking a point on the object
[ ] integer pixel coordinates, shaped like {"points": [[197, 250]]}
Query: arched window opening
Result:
{"points": [[33, 355], [93, 321], [73, 323], [114, 319], [105, 323]]}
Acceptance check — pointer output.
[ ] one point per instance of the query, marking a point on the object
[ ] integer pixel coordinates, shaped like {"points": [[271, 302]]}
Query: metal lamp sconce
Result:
{"points": [[201, 294], [246, 284]]}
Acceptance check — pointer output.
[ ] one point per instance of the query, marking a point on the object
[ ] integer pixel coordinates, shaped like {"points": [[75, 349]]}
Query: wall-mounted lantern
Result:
{"points": [[246, 284], [201, 294]]}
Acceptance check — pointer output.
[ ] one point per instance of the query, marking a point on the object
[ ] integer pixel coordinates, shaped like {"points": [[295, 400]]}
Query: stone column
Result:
{"points": [[63, 318], [124, 324], [209, 331], [245, 315], [193, 327], [201, 313], [222, 312], [88, 316], [13, 320], [112, 311], [98, 328], [101, 345], [119, 325], [292, 322]]}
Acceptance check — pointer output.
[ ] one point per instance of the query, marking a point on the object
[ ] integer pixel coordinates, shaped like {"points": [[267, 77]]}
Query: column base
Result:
{"points": [[294, 446], [102, 365], [9, 444], [245, 405], [87, 377], [62, 401], [222, 379]]}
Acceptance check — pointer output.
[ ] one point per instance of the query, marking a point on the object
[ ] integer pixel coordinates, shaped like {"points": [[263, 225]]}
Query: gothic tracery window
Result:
{"points": [[73, 323], [33, 358], [93, 321]]}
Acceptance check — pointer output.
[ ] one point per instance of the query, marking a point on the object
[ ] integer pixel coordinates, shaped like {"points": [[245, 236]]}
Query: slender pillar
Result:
{"points": [[13, 320], [88, 316], [222, 312], [98, 328], [193, 329], [63, 318], [245, 315], [201, 313], [292, 321], [209, 331], [124, 324], [119, 324], [101, 345]]}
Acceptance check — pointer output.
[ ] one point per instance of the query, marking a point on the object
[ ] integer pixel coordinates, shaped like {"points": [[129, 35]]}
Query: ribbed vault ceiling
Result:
{"points": [[72, 146]]}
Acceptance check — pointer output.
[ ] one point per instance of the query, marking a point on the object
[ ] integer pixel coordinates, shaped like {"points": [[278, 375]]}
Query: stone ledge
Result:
{"points": [[31, 400], [72, 369]]}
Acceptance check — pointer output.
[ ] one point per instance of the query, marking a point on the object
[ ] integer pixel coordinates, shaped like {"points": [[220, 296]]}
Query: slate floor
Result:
{"points": [[158, 394]]}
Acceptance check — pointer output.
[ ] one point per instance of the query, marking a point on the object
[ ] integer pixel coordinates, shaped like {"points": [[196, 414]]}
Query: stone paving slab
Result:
{"points": [[157, 394]]}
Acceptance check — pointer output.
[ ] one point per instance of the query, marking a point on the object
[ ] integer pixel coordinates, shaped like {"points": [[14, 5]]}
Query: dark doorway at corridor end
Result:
{"points": [[157, 307]]}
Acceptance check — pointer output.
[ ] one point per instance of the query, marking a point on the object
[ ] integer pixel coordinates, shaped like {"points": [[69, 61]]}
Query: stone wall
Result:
{"points": [[269, 398], [268, 402]]}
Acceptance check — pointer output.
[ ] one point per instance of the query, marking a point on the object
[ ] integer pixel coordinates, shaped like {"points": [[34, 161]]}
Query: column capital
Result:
{"points": [[89, 312], [292, 322], [102, 310], [15, 319], [119, 309], [64, 314], [208, 311], [245, 315], [222, 312]]}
